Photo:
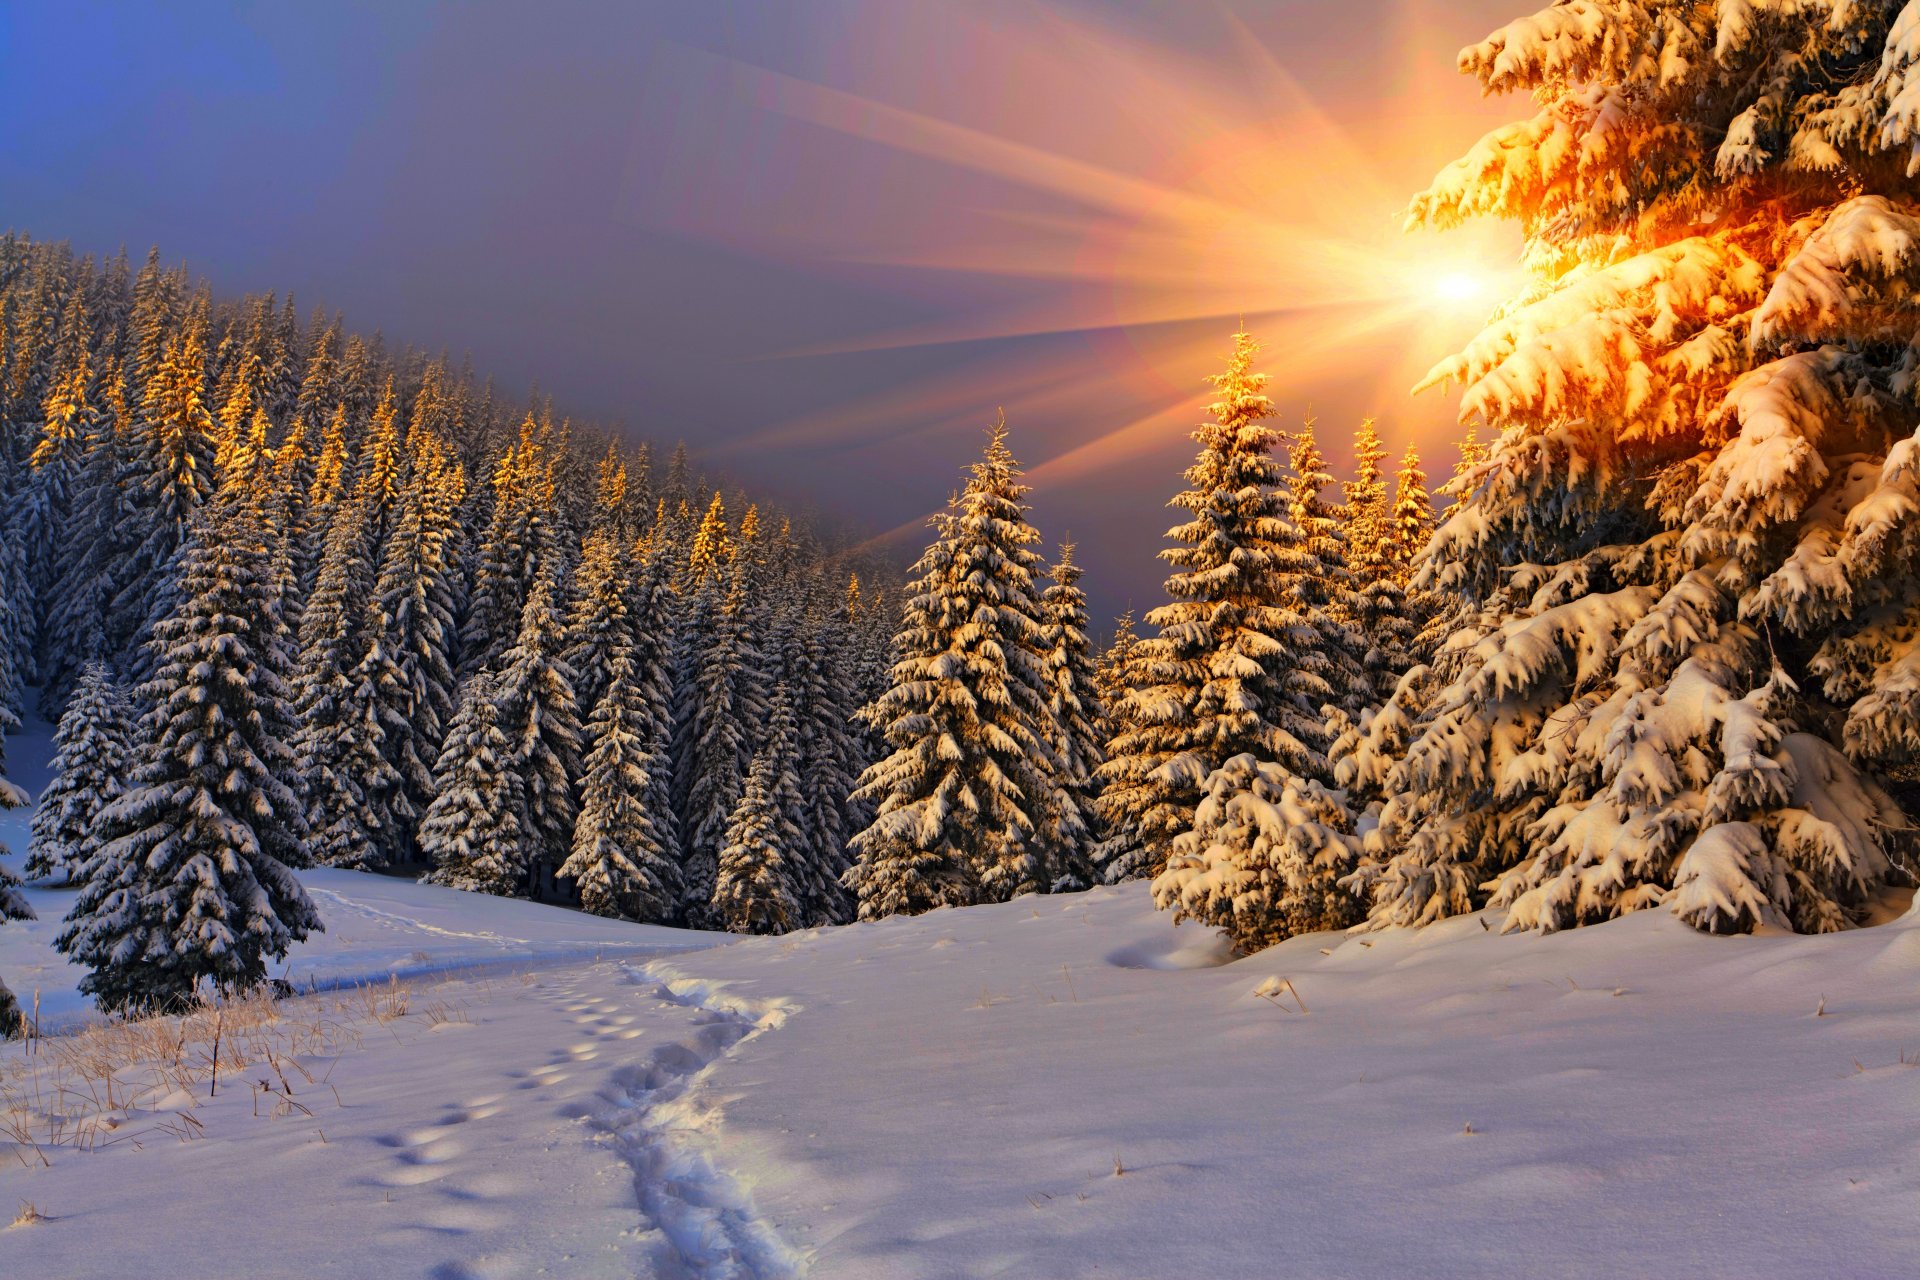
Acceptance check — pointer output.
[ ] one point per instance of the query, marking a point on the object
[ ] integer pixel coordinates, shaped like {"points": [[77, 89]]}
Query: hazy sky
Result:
{"points": [[821, 241]]}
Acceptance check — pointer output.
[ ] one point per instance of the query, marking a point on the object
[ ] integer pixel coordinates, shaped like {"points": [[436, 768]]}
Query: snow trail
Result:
{"points": [[709, 1226]]}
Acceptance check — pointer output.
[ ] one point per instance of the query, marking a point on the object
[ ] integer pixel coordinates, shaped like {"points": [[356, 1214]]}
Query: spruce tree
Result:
{"points": [[1691, 556], [411, 627], [1219, 679], [13, 906], [1412, 524], [1373, 558], [1323, 580], [720, 704], [599, 629], [190, 885], [756, 889], [13, 903], [471, 833], [540, 720], [92, 747], [967, 785], [625, 861], [331, 745], [1073, 713], [173, 474]]}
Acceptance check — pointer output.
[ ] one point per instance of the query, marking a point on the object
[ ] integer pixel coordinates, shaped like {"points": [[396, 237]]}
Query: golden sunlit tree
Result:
{"points": [[1691, 555]]}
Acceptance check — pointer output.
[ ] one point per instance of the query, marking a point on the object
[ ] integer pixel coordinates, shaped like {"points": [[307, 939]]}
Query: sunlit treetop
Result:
{"points": [[1690, 655]]}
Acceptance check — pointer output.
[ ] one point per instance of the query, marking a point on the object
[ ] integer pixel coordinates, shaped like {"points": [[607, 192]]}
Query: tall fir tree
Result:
{"points": [[1219, 679], [757, 888], [471, 833], [720, 704], [1691, 554], [1074, 711], [92, 749], [191, 886], [966, 787], [540, 719], [624, 861]]}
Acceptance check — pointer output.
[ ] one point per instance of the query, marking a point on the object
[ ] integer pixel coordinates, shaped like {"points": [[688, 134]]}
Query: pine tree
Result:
{"points": [[966, 787], [1264, 859], [1218, 680], [70, 424], [721, 702], [1373, 558], [471, 833], [338, 740], [521, 536], [831, 756], [1334, 651], [756, 889], [1691, 555], [625, 861], [13, 906], [1073, 712], [541, 722], [172, 453], [80, 626], [13, 903], [92, 747], [190, 884], [1412, 515], [409, 659], [599, 630]]}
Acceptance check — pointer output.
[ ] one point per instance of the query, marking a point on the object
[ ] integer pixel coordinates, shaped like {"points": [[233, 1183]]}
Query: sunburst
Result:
{"points": [[1146, 202]]}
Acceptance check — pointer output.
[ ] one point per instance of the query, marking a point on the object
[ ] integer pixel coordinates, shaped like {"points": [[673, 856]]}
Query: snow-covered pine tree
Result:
{"points": [[625, 861], [470, 833], [70, 423], [13, 903], [1074, 709], [540, 720], [966, 787], [712, 544], [13, 906], [1412, 514], [332, 712], [521, 538], [831, 753], [92, 748], [720, 704], [1219, 680], [80, 629], [173, 474], [409, 658], [1385, 631], [1264, 859], [1329, 648], [756, 888], [190, 884], [1694, 545], [599, 630]]}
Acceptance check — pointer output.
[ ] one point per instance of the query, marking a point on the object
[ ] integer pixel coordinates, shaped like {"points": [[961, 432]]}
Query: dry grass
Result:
{"points": [[133, 1080], [27, 1216]]}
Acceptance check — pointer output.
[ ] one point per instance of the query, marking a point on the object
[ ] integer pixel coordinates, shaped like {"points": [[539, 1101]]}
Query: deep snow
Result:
{"points": [[1064, 1086], [952, 1096]]}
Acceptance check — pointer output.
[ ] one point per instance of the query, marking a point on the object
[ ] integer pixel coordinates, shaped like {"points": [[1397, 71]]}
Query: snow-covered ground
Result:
{"points": [[1056, 1087], [377, 927]]}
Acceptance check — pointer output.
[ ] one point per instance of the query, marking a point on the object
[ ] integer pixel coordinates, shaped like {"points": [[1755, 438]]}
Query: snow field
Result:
{"points": [[1070, 1086]]}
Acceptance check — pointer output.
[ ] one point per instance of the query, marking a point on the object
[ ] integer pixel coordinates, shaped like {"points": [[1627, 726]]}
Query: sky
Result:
{"points": [[822, 241]]}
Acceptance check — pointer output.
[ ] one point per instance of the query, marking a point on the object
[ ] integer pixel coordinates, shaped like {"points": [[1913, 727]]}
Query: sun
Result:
{"points": [[1461, 287]]}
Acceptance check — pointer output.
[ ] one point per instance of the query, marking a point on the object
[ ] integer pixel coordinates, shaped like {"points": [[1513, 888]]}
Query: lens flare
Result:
{"points": [[1086, 239]]}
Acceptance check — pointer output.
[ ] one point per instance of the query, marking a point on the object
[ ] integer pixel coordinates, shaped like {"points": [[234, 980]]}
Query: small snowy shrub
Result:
{"points": [[1263, 859]]}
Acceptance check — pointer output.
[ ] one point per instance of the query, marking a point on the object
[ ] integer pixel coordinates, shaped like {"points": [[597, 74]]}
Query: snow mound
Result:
{"points": [[1181, 950]]}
